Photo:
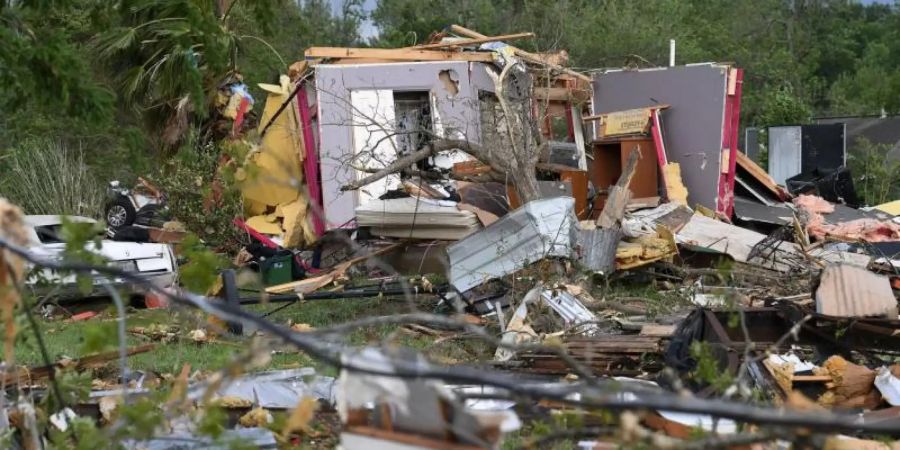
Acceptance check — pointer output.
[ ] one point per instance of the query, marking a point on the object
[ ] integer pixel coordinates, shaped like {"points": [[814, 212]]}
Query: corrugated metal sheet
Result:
{"points": [[598, 249], [849, 291], [572, 311], [540, 229]]}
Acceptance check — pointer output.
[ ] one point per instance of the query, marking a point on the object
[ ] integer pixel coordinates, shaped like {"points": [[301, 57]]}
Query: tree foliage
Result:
{"points": [[112, 77], [803, 58]]}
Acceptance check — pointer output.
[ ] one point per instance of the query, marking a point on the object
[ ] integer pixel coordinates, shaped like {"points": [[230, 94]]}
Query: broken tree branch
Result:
{"points": [[316, 347], [39, 373], [466, 42], [530, 57], [412, 158]]}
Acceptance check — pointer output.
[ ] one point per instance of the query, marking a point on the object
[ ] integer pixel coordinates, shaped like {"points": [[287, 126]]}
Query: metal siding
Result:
{"points": [[540, 229], [848, 291], [693, 124], [784, 153]]}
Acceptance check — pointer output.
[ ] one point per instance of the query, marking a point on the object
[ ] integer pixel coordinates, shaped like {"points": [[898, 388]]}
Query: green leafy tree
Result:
{"points": [[170, 56], [876, 177], [41, 60]]}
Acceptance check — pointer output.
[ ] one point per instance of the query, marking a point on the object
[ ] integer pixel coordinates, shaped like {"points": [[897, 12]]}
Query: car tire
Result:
{"points": [[119, 213]]}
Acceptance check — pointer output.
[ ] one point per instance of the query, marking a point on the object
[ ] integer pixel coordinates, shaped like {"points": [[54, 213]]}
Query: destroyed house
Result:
{"points": [[354, 116], [380, 112], [361, 115]]}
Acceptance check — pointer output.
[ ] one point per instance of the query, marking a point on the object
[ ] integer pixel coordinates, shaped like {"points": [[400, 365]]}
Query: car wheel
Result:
{"points": [[120, 213]]}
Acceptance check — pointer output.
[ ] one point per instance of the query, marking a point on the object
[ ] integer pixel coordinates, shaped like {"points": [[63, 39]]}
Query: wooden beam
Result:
{"points": [[759, 174], [399, 54], [362, 61], [600, 116], [530, 57], [466, 42], [556, 94]]}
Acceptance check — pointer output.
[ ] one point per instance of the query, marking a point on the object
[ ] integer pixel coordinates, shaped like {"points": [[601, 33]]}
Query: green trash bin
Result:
{"points": [[277, 269]]}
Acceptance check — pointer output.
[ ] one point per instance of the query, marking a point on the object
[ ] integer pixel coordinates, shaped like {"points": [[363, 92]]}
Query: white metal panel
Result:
{"points": [[784, 152], [155, 264], [539, 229], [373, 145]]}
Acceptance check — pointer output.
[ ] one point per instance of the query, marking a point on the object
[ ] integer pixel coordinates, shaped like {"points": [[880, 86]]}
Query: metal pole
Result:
{"points": [[671, 52], [345, 294]]}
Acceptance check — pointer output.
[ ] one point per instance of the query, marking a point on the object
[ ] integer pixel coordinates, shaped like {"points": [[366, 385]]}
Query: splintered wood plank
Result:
{"points": [[530, 57], [656, 330], [397, 54], [760, 175], [467, 42], [812, 378], [91, 361], [619, 195]]}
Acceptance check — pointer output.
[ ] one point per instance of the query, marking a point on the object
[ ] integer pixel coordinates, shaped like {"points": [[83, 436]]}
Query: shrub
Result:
{"points": [[192, 178], [46, 177], [875, 176]]}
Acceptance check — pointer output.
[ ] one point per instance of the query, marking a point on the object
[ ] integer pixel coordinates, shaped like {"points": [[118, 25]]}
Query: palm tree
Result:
{"points": [[170, 56]]}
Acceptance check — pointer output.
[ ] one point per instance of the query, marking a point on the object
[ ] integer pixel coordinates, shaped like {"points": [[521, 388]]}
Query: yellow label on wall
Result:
{"points": [[626, 122]]}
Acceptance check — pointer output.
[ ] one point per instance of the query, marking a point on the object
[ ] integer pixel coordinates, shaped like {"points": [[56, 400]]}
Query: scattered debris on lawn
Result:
{"points": [[539, 192]]}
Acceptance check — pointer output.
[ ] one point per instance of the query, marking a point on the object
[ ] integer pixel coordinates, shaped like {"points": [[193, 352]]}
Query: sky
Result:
{"points": [[367, 29]]}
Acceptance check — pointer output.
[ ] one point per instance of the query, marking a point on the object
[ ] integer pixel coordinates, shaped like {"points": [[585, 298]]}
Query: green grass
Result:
{"points": [[76, 339], [98, 334]]}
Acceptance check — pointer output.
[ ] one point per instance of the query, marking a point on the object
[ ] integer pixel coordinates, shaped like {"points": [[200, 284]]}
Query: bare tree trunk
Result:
{"points": [[510, 134]]}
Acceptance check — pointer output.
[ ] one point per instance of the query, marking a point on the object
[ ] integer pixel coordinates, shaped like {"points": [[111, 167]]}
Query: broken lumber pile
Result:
{"points": [[34, 374], [611, 355]]}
